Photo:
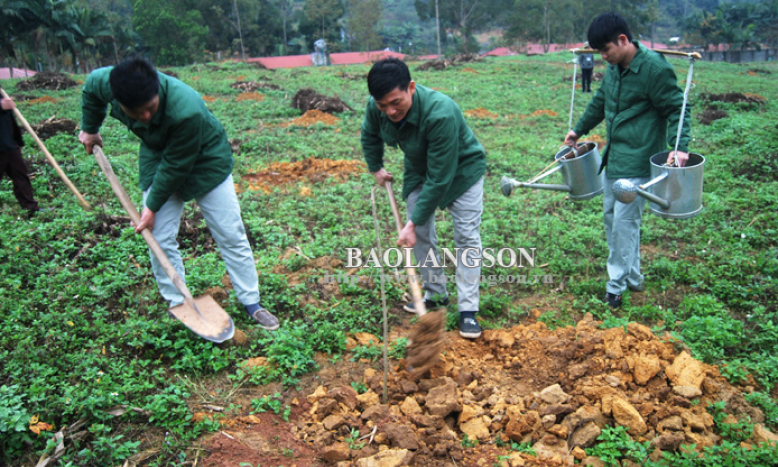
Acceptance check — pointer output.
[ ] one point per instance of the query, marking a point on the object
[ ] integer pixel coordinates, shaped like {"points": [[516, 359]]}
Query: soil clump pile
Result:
{"points": [[49, 80], [710, 115], [733, 97], [442, 64], [555, 390], [312, 117], [169, 73], [250, 96], [311, 170], [308, 99], [252, 86], [53, 126]]}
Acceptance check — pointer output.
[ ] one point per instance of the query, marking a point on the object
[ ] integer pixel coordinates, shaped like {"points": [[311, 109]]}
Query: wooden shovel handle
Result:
{"points": [[49, 157], [128, 206], [418, 298]]}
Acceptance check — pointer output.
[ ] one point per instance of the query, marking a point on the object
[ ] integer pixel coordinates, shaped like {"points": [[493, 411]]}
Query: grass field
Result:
{"points": [[84, 329]]}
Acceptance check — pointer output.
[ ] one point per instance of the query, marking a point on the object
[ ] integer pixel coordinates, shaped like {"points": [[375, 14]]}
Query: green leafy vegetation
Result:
{"points": [[85, 330]]}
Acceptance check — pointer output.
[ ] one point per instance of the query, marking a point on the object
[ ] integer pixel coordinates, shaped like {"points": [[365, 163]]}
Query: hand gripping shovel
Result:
{"points": [[426, 337], [202, 315]]}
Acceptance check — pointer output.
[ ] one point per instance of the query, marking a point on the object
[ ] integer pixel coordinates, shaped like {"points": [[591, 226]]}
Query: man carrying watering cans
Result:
{"points": [[444, 168], [638, 99]]}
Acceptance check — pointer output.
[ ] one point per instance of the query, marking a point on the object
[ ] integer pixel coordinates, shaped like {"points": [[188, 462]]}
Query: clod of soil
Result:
{"points": [[311, 170], [758, 71], [481, 113], [313, 117], [733, 97], [47, 80], [308, 99], [251, 86], [250, 96], [170, 73], [709, 115], [54, 126], [210, 98]]}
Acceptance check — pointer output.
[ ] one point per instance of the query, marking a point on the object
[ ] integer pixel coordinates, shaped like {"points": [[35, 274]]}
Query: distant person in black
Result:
{"points": [[587, 67], [11, 161]]}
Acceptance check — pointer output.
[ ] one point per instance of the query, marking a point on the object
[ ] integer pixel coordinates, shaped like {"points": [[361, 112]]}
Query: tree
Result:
{"points": [[323, 12], [174, 34], [362, 23], [544, 21], [466, 16]]}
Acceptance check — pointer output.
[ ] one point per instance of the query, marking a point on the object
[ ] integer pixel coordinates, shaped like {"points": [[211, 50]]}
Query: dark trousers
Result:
{"points": [[11, 163], [586, 79]]}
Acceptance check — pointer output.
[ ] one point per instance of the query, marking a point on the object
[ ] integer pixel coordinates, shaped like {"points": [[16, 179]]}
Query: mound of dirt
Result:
{"points": [[481, 113], [308, 99], [47, 80], [733, 97], [210, 99], [709, 115], [251, 86], [556, 390], [311, 170], [53, 126], [169, 73], [312, 117], [250, 96]]}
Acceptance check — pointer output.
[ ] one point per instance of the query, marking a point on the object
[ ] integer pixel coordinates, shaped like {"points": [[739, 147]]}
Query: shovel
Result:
{"points": [[426, 337], [202, 315]]}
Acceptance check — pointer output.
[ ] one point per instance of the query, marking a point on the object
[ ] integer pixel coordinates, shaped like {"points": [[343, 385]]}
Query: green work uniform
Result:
{"points": [[638, 104], [184, 149], [441, 151]]}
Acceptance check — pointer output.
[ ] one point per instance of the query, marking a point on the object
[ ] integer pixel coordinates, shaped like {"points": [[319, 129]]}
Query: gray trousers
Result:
{"points": [[221, 211], [466, 215], [622, 230]]}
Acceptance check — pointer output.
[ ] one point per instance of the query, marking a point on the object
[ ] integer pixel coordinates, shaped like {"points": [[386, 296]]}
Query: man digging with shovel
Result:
{"points": [[444, 167], [184, 154]]}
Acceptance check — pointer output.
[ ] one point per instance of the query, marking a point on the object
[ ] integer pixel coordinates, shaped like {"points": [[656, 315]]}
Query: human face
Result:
{"points": [[396, 104], [620, 52], [143, 113]]}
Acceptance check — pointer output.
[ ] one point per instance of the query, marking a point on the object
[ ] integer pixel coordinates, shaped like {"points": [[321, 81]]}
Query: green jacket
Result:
{"points": [[441, 151], [183, 149], [641, 107]]}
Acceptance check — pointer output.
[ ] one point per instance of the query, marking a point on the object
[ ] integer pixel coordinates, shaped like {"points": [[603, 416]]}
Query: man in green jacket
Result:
{"points": [[638, 99], [184, 154], [444, 168]]}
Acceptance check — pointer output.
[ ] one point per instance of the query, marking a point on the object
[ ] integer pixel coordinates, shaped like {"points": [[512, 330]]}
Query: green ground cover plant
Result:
{"points": [[84, 329]]}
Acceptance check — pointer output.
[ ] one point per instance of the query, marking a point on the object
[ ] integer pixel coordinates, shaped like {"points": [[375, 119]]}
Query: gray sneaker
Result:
{"points": [[264, 318]]}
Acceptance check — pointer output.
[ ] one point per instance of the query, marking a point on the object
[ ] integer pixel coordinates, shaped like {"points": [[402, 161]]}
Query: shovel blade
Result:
{"points": [[211, 323]]}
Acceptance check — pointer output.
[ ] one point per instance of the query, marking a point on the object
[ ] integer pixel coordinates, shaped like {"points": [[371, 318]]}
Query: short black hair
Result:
{"points": [[386, 76], [134, 82], [606, 28]]}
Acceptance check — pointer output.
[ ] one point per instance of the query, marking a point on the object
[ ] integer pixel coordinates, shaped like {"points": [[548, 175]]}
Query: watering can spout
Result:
{"points": [[546, 186], [626, 192]]}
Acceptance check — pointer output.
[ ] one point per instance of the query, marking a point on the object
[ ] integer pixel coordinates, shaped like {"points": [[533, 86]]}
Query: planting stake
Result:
{"points": [[48, 155], [202, 315]]}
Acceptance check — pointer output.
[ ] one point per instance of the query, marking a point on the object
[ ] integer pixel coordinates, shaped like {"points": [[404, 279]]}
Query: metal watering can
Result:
{"points": [[676, 192], [579, 172]]}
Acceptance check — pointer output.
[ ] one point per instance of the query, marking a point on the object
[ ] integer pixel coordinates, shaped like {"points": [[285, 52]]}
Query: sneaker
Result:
{"points": [[428, 304], [468, 325], [637, 288], [613, 300], [264, 318]]}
